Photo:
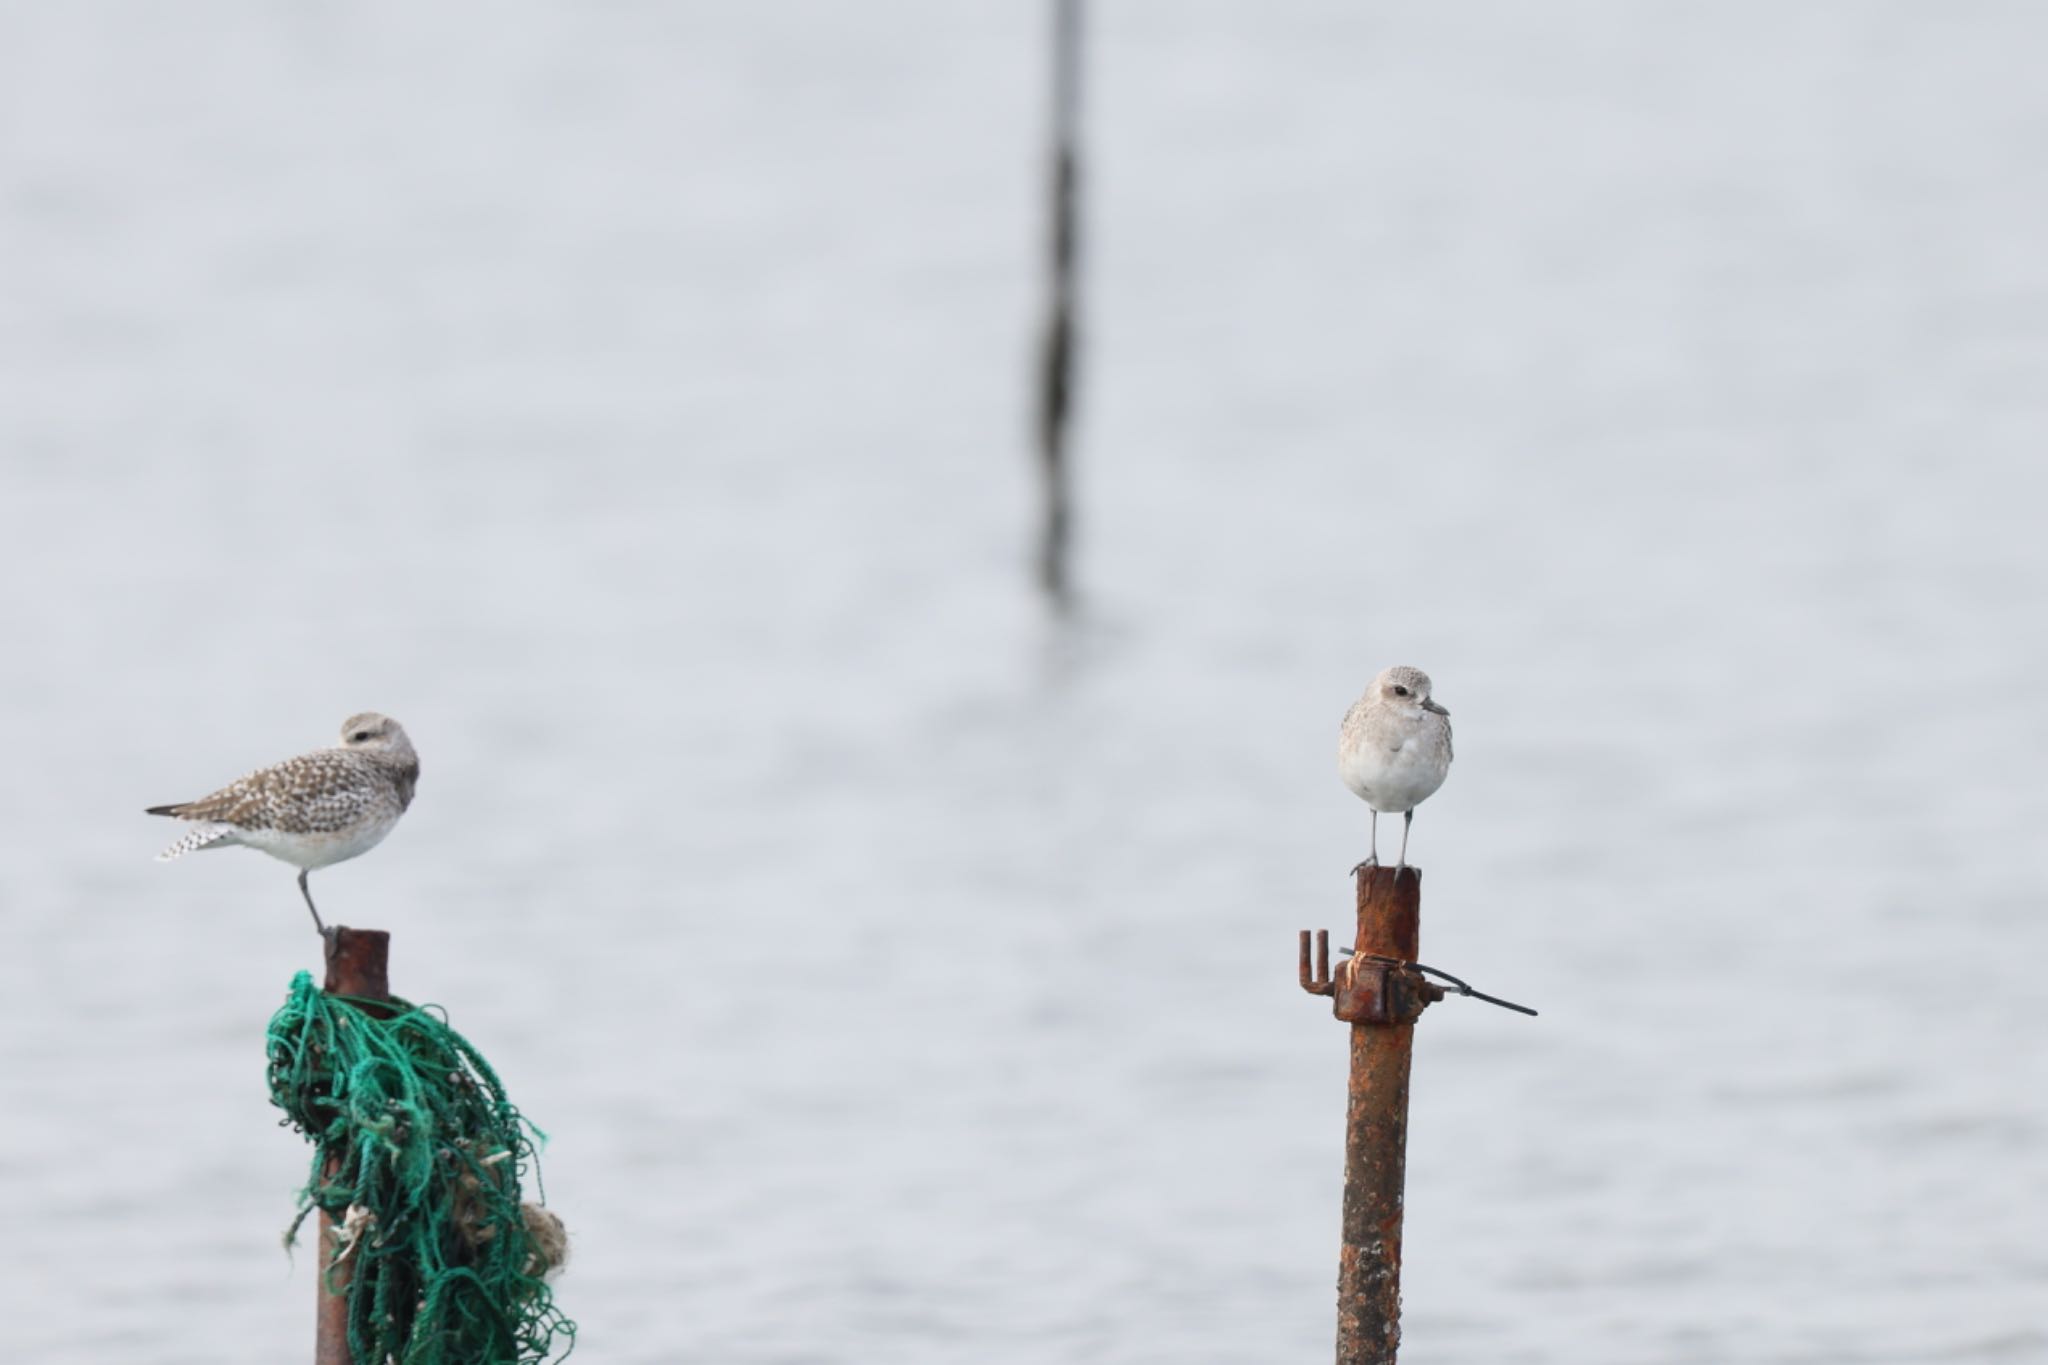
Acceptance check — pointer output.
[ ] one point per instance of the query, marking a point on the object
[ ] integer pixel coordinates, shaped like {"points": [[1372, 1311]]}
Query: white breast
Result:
{"points": [[321, 849], [1395, 779]]}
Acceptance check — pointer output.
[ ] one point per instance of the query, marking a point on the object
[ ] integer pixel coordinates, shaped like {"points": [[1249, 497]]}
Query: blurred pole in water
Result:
{"points": [[1056, 348], [1380, 994]]}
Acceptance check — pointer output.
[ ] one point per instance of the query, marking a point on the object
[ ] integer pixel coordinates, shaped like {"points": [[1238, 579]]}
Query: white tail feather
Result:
{"points": [[201, 836]]}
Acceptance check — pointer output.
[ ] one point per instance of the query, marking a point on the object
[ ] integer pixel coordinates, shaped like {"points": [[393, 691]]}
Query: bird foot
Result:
{"points": [[1373, 861]]}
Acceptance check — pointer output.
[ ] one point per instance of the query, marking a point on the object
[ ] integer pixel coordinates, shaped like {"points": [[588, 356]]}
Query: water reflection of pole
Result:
{"points": [[1380, 994], [1056, 351], [358, 966]]}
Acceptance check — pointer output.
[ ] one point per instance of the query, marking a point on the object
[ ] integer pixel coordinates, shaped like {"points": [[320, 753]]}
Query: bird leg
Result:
{"points": [[1373, 859], [309, 901], [1402, 864]]}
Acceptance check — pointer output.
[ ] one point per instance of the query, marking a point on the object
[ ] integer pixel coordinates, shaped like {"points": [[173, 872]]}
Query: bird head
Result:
{"points": [[377, 734], [1406, 689]]}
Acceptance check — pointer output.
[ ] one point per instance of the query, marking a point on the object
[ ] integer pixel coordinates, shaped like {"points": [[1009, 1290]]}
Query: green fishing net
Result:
{"points": [[417, 1157]]}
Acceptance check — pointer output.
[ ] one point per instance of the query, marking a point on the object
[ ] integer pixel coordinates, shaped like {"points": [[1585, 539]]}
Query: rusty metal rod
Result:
{"points": [[358, 965], [1376, 1125]]}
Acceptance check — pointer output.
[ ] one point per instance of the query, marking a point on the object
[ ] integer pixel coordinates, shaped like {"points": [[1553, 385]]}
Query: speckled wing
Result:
{"points": [[316, 793]]}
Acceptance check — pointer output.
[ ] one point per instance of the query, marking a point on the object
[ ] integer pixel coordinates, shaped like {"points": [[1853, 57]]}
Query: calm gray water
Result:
{"points": [[629, 398]]}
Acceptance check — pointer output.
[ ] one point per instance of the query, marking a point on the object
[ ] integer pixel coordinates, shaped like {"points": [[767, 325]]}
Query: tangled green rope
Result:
{"points": [[417, 1157]]}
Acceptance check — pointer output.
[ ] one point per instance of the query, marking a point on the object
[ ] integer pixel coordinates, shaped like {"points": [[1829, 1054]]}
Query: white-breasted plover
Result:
{"points": [[314, 810], [1394, 750]]}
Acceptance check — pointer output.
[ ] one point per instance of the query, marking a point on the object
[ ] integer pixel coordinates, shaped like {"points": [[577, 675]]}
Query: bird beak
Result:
{"points": [[1430, 705]]}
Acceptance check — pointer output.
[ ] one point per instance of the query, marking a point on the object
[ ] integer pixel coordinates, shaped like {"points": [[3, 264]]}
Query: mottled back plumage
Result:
{"points": [[320, 792]]}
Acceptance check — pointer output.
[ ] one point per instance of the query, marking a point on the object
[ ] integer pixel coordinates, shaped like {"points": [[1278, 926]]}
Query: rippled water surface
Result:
{"points": [[630, 399]]}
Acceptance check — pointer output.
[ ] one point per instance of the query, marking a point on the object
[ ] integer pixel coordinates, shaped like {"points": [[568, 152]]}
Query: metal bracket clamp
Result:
{"points": [[1366, 990]]}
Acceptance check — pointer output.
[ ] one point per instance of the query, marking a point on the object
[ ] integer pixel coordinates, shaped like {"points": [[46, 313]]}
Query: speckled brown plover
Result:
{"points": [[314, 810]]}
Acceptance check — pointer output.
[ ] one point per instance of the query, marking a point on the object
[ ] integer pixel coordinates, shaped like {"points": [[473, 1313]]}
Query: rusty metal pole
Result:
{"points": [[358, 965], [1380, 995]]}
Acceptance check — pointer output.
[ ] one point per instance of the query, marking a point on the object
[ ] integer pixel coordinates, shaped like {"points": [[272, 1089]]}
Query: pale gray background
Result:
{"points": [[630, 399]]}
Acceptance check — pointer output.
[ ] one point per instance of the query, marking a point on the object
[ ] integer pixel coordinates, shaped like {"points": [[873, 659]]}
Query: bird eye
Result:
{"points": [[1400, 691], [360, 736]]}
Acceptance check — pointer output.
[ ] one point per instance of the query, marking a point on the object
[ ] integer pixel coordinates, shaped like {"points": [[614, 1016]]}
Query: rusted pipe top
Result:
{"points": [[358, 963]]}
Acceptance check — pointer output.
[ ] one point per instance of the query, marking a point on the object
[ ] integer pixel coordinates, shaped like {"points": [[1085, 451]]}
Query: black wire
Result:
{"points": [[1457, 983]]}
